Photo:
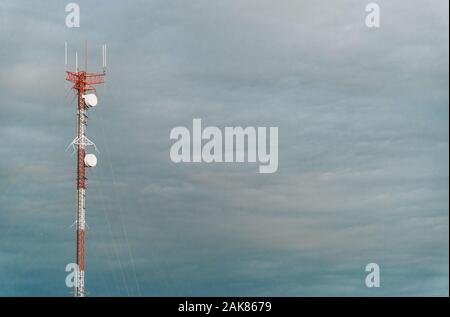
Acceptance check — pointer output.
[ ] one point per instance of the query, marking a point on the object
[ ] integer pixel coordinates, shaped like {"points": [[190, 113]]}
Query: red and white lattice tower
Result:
{"points": [[83, 86]]}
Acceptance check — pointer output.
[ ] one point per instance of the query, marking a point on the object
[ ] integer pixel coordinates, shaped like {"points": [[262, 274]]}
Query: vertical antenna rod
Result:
{"points": [[83, 83], [65, 54], [104, 57], [85, 56]]}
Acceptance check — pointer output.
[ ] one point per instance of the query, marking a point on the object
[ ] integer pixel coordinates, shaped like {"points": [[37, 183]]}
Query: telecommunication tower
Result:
{"points": [[83, 86]]}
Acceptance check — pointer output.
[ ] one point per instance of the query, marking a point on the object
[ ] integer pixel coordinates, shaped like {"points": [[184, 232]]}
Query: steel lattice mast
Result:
{"points": [[83, 85]]}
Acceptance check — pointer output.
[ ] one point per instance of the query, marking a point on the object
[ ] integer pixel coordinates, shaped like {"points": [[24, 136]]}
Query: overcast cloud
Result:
{"points": [[363, 148]]}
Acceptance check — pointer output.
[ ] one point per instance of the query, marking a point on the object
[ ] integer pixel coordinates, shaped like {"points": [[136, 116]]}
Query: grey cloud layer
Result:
{"points": [[363, 162]]}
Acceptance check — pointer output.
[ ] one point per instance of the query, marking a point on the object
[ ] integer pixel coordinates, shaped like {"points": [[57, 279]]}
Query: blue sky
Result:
{"points": [[363, 148]]}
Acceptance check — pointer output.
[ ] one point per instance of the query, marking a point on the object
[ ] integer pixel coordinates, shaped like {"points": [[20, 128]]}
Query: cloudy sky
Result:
{"points": [[363, 148]]}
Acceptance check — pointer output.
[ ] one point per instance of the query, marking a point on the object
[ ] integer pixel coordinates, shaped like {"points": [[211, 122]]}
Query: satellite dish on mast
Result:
{"points": [[90, 100], [90, 160]]}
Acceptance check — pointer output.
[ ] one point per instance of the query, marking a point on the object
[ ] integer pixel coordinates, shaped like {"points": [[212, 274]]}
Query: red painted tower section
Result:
{"points": [[83, 83]]}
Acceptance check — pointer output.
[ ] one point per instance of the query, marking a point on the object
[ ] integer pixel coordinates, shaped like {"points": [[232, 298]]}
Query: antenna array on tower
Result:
{"points": [[83, 86]]}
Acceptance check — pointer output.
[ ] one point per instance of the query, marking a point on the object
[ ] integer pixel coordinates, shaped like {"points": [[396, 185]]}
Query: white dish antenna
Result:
{"points": [[90, 100], [90, 160]]}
